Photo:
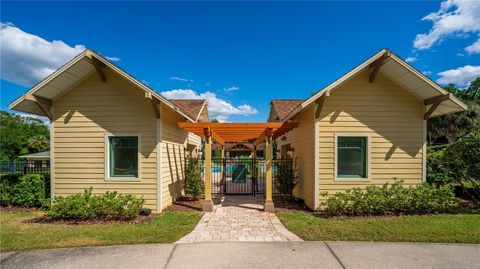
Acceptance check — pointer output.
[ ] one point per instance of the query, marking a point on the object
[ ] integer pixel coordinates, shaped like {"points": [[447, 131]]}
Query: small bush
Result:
{"points": [[87, 206], [285, 179], [391, 200], [193, 178]]}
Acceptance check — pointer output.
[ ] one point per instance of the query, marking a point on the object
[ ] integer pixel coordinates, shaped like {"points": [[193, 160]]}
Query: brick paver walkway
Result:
{"points": [[239, 218]]}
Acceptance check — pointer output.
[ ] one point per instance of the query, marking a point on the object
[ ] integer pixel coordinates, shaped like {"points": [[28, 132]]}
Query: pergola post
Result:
{"points": [[207, 205], [269, 206]]}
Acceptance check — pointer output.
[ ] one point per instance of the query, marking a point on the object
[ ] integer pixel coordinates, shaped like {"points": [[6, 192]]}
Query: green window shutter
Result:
{"points": [[352, 157], [123, 156]]}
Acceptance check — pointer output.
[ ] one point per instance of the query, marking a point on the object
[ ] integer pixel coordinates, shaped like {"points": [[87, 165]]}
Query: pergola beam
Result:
{"points": [[376, 66], [44, 104]]}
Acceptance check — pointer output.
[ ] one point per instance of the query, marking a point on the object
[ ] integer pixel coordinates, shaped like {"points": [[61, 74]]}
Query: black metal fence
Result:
{"points": [[245, 175], [24, 167]]}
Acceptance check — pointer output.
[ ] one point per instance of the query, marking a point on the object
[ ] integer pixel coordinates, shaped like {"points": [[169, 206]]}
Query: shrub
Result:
{"points": [[28, 192], [8, 186], [285, 179], [87, 206], [438, 171], [456, 161], [463, 157], [193, 177], [391, 200]]}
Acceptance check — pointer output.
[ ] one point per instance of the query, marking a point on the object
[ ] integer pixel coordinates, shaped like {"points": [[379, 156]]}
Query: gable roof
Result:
{"points": [[401, 73], [192, 107], [283, 107], [71, 74]]}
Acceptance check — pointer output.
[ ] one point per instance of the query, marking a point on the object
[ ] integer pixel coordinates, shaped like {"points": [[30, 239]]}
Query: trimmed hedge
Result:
{"points": [[25, 191], [391, 200], [87, 206]]}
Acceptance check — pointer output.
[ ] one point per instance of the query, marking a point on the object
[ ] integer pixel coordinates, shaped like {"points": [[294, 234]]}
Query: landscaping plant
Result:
{"points": [[285, 179], [26, 191], [87, 206], [391, 199], [194, 185]]}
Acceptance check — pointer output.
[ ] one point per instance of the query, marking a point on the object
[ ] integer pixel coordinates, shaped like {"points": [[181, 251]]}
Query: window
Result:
{"points": [[352, 157], [123, 156]]}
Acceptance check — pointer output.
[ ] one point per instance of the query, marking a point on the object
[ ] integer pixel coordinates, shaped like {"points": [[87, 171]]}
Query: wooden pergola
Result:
{"points": [[221, 133]]}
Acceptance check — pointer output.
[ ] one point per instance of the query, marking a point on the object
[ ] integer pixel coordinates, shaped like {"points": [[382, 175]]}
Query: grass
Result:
{"points": [[18, 233], [442, 228]]}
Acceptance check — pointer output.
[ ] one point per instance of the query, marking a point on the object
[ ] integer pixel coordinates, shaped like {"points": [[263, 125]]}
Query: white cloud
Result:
{"points": [[181, 79], [410, 59], [427, 73], [474, 48], [231, 89], [217, 108], [27, 58], [112, 59], [460, 76], [454, 18]]}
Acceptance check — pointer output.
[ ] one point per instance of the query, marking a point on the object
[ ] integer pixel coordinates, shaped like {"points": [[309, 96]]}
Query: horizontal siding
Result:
{"points": [[173, 156], [390, 115], [83, 116], [301, 139]]}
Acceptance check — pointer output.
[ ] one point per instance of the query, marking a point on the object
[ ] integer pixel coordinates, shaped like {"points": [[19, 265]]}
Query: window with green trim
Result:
{"points": [[123, 156], [352, 157]]}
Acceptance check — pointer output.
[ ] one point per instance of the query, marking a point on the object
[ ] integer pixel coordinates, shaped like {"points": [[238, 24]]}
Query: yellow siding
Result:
{"points": [[389, 114], [173, 156], [302, 140], [83, 117]]}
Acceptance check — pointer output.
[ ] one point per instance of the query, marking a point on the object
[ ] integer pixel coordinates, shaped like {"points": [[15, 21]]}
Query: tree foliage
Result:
{"points": [[449, 128], [21, 135]]}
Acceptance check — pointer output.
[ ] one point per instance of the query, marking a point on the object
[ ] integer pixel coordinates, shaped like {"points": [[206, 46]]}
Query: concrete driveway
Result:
{"points": [[252, 255]]}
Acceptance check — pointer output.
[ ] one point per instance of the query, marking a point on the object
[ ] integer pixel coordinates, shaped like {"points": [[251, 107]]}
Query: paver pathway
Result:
{"points": [[239, 218]]}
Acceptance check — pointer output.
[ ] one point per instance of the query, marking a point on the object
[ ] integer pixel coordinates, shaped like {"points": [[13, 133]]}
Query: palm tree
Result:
{"points": [[38, 143]]}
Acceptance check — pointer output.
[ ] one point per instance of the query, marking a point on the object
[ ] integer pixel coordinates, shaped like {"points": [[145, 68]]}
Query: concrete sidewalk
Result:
{"points": [[252, 255]]}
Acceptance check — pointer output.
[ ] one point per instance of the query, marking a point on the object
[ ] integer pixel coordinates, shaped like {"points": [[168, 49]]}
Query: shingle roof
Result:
{"points": [[283, 107], [191, 107]]}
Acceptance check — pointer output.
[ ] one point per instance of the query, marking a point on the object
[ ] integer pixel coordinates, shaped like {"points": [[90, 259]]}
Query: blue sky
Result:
{"points": [[239, 55]]}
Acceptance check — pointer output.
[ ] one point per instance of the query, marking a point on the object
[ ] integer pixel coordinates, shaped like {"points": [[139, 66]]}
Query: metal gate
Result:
{"points": [[243, 176]]}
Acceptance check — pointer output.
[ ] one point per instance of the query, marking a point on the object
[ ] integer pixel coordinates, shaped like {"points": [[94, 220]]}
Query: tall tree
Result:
{"points": [[448, 128], [17, 135]]}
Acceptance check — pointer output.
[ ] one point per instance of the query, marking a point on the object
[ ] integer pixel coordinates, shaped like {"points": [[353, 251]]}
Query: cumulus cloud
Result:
{"points": [[410, 59], [181, 79], [474, 48], [27, 58], [460, 76], [218, 108], [231, 89], [455, 17]]}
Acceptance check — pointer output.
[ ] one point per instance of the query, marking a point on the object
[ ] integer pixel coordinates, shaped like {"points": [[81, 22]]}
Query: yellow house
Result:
{"points": [[109, 131], [367, 127]]}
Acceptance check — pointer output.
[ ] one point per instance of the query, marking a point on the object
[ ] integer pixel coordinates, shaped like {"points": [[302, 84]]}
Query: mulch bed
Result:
{"points": [[185, 204], [138, 220], [289, 205]]}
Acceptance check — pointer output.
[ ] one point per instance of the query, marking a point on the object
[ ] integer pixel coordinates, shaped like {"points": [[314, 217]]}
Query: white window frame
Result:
{"points": [[107, 158], [368, 160]]}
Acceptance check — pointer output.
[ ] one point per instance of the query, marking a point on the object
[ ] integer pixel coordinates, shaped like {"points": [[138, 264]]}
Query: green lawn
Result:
{"points": [[455, 228], [17, 233]]}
